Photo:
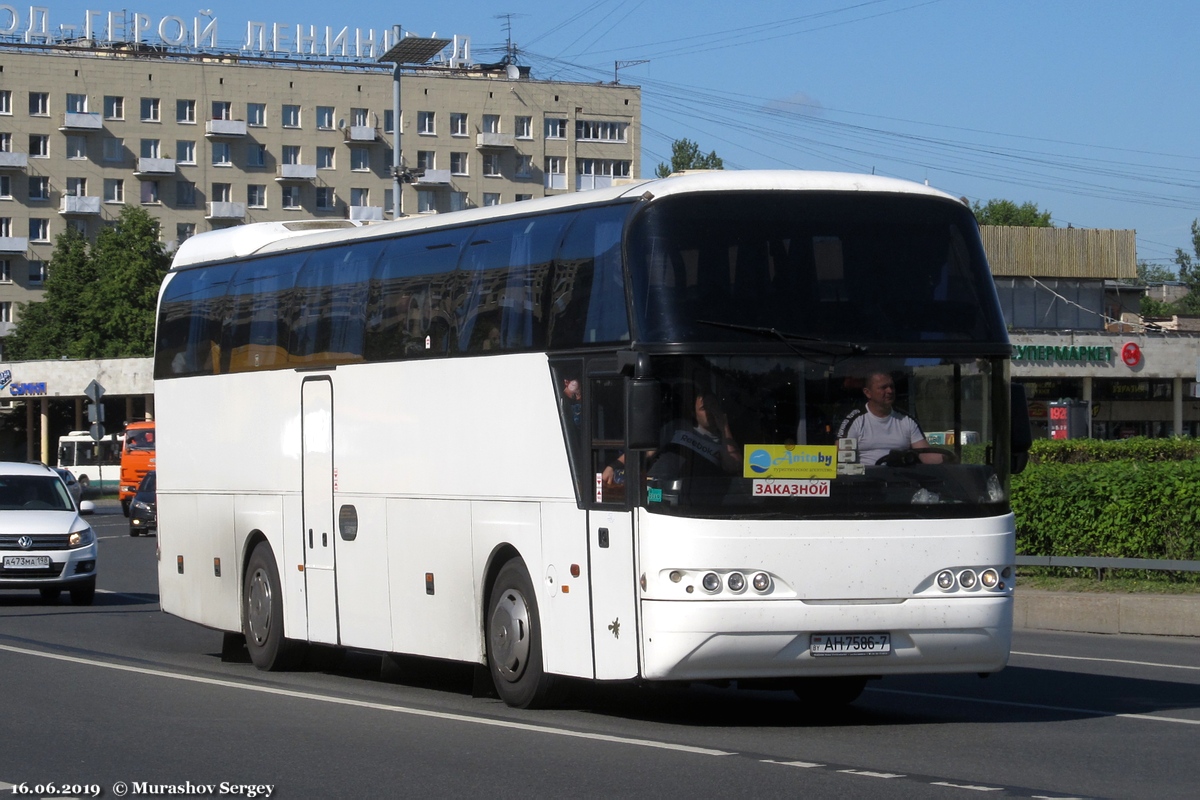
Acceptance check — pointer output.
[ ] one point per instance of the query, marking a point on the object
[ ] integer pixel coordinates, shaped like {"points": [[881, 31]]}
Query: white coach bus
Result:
{"points": [[596, 435]]}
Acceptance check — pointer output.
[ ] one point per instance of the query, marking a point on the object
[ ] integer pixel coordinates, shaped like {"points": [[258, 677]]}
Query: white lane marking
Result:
{"points": [[1108, 660], [342, 701], [968, 786], [869, 774], [1091, 712], [801, 764]]}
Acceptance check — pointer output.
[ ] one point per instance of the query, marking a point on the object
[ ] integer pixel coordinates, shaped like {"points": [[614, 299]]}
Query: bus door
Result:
{"points": [[320, 576], [611, 545]]}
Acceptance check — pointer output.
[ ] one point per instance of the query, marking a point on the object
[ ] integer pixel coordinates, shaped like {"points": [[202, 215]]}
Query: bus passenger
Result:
{"points": [[701, 446], [880, 428]]}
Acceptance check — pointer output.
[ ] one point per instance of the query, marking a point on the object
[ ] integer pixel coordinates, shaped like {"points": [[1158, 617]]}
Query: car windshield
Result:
{"points": [[33, 492], [147, 485], [139, 440]]}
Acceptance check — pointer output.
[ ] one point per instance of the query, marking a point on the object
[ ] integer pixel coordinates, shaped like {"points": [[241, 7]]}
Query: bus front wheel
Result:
{"points": [[514, 640], [262, 612]]}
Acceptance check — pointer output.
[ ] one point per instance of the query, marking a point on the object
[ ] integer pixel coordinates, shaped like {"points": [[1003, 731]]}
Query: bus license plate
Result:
{"points": [[850, 644], [27, 562]]}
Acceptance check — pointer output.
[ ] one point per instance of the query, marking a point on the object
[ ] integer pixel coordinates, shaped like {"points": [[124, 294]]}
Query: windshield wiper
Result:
{"points": [[812, 343]]}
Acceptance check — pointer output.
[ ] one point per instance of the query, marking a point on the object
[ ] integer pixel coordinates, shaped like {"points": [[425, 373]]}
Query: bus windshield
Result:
{"points": [[776, 436], [821, 266]]}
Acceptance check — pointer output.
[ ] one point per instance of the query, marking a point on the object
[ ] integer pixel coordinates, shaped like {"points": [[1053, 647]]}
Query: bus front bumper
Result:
{"points": [[699, 641]]}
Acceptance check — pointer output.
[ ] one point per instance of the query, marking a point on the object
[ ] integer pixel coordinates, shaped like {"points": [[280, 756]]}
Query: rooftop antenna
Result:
{"points": [[510, 49], [620, 65]]}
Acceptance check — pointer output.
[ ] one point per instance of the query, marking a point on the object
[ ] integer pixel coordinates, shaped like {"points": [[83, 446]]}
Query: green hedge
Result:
{"points": [[1135, 498]]}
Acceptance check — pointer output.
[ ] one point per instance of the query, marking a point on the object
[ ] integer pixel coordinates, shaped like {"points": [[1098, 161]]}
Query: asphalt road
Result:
{"points": [[121, 696]]}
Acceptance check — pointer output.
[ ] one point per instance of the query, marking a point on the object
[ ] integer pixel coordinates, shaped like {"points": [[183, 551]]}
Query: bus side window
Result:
{"points": [[606, 404], [587, 291]]}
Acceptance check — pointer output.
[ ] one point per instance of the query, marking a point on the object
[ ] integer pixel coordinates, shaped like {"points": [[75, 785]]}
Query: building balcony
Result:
{"points": [[81, 121], [495, 140], [225, 127], [585, 182], [296, 172], [366, 213], [434, 177], [154, 167], [14, 160], [14, 244], [226, 210], [555, 180], [361, 134], [72, 204]]}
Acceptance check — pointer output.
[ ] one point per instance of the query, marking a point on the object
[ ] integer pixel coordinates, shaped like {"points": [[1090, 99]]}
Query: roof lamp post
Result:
{"points": [[412, 51]]}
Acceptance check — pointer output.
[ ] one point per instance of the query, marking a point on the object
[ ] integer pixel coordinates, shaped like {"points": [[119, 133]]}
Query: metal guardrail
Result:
{"points": [[1108, 563]]}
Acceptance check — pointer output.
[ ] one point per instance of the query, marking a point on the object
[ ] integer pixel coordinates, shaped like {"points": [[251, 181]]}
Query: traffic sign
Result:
{"points": [[94, 391]]}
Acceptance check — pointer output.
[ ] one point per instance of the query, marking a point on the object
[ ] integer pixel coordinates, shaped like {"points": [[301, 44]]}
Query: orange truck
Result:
{"points": [[137, 458]]}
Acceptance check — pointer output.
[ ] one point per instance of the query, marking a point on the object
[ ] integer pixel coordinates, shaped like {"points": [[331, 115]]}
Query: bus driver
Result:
{"points": [[879, 428]]}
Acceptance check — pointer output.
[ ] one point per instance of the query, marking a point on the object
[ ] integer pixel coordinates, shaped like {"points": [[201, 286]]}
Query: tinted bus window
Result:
{"points": [[257, 334], [587, 297], [191, 313], [409, 311], [330, 305]]}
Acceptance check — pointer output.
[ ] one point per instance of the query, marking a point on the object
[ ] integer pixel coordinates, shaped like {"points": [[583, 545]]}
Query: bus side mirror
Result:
{"points": [[643, 410], [1021, 432]]}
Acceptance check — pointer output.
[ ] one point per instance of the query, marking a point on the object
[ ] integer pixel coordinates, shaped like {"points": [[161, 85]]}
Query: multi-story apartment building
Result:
{"points": [[208, 140]]}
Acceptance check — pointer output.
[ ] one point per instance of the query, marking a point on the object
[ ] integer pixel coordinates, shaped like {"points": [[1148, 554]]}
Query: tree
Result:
{"points": [[1148, 273], [1006, 212], [98, 303], [685, 155], [1189, 274]]}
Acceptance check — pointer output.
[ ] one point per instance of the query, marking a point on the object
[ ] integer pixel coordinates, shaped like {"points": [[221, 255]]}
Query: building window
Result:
{"points": [[491, 123], [358, 116], [256, 155], [77, 103], [524, 166], [5, 275], [114, 190], [325, 198], [77, 147], [360, 197], [426, 202], [5, 187], [6, 101], [458, 124], [221, 192], [491, 165], [39, 104], [114, 107], [596, 131], [6, 306], [5, 142], [78, 225], [5, 227], [291, 154], [39, 230], [222, 109], [426, 159], [556, 172], [325, 118], [151, 148], [389, 121], [184, 231], [185, 194], [39, 187], [425, 123], [556, 128], [291, 197], [185, 111], [491, 198], [360, 159], [256, 115], [458, 163], [150, 109], [150, 193], [185, 151], [39, 145], [114, 149], [524, 127], [37, 273], [76, 187], [325, 157], [291, 116], [256, 196], [221, 156], [521, 197]]}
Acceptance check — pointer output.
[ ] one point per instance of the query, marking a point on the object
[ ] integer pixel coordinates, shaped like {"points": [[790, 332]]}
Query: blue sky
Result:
{"points": [[1086, 108]]}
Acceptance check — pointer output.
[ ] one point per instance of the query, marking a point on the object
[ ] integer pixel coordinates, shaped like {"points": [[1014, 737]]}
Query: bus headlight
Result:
{"points": [[761, 582], [989, 578], [967, 579], [736, 581], [945, 580], [711, 582]]}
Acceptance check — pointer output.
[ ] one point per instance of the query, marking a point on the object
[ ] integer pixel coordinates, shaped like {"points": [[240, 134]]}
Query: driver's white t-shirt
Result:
{"points": [[877, 436]]}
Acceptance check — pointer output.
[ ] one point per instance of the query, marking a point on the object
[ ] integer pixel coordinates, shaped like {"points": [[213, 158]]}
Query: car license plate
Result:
{"points": [[850, 644], [27, 562]]}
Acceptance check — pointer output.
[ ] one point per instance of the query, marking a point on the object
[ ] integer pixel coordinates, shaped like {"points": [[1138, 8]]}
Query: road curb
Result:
{"points": [[1159, 615]]}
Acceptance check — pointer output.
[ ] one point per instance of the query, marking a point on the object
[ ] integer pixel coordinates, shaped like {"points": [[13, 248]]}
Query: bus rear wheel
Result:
{"points": [[514, 640], [262, 613]]}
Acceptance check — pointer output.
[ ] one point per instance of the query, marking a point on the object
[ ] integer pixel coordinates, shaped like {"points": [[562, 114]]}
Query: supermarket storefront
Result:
{"points": [[1135, 384]]}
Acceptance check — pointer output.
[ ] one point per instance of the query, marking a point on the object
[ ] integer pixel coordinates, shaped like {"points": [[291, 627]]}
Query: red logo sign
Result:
{"points": [[1131, 354]]}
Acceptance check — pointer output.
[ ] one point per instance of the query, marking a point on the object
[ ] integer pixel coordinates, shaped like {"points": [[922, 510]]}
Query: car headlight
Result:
{"points": [[141, 505], [82, 538]]}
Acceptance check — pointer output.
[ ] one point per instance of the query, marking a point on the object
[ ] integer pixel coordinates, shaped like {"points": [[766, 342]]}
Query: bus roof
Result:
{"points": [[269, 237]]}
